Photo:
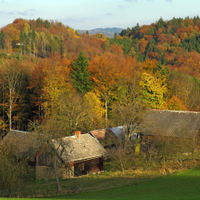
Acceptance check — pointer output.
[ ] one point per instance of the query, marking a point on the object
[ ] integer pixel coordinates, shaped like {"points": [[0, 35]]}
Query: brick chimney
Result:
{"points": [[78, 134]]}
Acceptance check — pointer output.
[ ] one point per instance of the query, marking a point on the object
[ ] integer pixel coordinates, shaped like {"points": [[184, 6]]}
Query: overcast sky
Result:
{"points": [[90, 14]]}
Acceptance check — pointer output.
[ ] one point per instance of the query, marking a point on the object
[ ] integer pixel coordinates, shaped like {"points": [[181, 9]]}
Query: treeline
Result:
{"points": [[43, 38], [174, 43], [49, 71]]}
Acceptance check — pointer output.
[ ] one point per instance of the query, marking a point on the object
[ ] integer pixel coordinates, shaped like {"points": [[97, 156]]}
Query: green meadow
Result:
{"points": [[183, 185]]}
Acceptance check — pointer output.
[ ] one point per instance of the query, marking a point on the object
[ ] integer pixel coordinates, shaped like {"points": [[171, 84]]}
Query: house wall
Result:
{"points": [[71, 170], [89, 166], [44, 158], [45, 172], [185, 145]]}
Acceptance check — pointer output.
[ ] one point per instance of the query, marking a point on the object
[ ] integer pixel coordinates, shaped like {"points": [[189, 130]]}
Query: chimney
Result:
{"points": [[78, 134]]}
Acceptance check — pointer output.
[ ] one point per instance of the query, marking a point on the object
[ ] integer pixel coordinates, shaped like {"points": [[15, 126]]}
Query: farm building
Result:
{"points": [[81, 154], [102, 134], [76, 155], [27, 144], [105, 136], [170, 123], [110, 135]]}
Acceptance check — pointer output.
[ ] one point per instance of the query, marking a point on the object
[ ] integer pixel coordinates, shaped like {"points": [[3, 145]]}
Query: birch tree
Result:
{"points": [[11, 82]]}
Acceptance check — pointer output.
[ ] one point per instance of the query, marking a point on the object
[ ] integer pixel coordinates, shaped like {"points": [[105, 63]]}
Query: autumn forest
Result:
{"points": [[52, 74]]}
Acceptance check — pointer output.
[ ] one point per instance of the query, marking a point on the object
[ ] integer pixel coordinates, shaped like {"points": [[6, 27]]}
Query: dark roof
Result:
{"points": [[171, 123], [28, 143], [75, 150]]}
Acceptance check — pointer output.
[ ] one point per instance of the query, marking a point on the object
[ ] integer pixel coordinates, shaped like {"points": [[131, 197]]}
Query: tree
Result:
{"points": [[123, 155], [148, 154], [94, 111], [12, 78], [51, 129], [14, 169], [129, 110], [105, 73], [21, 41], [2, 40], [55, 83], [72, 112], [174, 103], [80, 74], [153, 90]]}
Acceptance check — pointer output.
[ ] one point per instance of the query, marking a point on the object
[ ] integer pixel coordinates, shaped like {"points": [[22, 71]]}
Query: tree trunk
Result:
{"points": [[34, 49], [10, 111], [106, 108], [122, 168], [59, 189]]}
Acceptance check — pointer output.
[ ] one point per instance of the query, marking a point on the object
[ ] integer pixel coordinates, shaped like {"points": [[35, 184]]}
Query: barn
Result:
{"points": [[170, 124]]}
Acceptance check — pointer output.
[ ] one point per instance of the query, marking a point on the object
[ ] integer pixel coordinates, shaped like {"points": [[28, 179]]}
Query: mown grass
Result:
{"points": [[182, 185]]}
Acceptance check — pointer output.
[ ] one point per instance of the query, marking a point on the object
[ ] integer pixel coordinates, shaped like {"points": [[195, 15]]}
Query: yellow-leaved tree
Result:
{"points": [[95, 110], [153, 90], [55, 83], [153, 83]]}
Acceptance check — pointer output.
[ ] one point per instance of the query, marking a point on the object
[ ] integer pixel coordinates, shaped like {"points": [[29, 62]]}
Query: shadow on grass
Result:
{"points": [[183, 185]]}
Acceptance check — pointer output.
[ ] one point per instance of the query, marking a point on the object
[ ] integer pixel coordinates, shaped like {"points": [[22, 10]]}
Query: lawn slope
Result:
{"points": [[183, 185]]}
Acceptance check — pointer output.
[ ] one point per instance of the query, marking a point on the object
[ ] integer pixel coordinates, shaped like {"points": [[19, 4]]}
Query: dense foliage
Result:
{"points": [[49, 69]]}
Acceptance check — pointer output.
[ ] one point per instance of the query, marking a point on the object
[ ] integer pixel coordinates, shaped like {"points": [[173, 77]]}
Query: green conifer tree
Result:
{"points": [[80, 74]]}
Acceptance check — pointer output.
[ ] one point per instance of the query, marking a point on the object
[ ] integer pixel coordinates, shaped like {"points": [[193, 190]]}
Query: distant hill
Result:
{"points": [[105, 31]]}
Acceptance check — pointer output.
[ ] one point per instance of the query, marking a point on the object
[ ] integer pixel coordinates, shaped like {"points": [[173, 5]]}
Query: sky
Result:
{"points": [[91, 14]]}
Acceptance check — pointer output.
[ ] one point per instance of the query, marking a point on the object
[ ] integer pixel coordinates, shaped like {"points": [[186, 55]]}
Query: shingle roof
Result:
{"points": [[172, 123], [84, 149], [74, 149], [28, 143]]}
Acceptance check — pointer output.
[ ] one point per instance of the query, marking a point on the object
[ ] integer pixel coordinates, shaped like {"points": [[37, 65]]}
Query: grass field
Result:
{"points": [[183, 185]]}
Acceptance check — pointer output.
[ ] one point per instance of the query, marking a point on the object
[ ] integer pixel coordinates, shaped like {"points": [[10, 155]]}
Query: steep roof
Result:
{"points": [[74, 150], [118, 131], [171, 123], [28, 143], [102, 134]]}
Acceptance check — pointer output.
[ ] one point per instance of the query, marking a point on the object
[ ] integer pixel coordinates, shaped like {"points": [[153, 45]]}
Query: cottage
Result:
{"points": [[77, 155], [81, 154]]}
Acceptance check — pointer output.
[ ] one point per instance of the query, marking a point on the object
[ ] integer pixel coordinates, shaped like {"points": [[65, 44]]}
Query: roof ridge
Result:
{"points": [[180, 111]]}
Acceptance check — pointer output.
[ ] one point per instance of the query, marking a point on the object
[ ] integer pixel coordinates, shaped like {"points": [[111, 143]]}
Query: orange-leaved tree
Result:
{"points": [[105, 73]]}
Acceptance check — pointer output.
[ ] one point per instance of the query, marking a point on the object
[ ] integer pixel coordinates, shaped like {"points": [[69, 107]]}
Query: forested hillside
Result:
{"points": [[50, 72]]}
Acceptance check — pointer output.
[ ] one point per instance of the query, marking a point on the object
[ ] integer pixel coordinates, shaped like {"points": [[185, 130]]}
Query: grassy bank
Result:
{"points": [[182, 185]]}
